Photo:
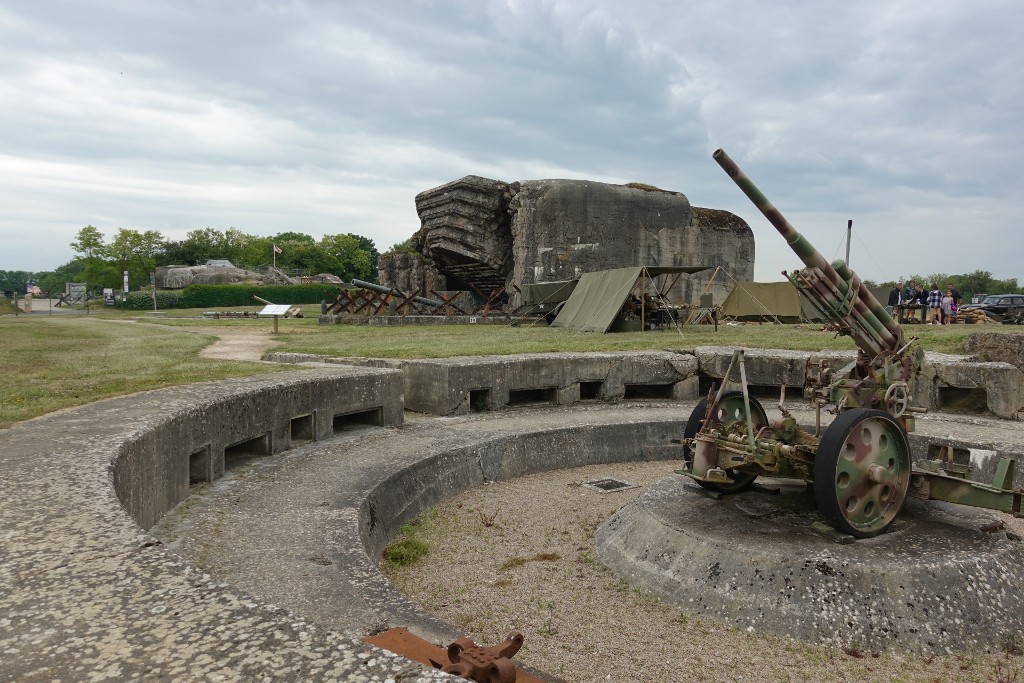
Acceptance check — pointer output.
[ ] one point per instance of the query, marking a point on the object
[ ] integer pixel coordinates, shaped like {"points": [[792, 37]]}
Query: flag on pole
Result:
{"points": [[277, 249]]}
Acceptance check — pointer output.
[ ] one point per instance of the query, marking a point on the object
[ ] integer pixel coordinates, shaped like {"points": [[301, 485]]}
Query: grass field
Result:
{"points": [[54, 362]]}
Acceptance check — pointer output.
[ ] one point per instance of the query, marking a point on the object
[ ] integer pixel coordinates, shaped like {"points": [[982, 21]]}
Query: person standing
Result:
{"points": [[909, 301], [895, 299], [958, 298], [947, 305], [922, 302], [934, 305]]}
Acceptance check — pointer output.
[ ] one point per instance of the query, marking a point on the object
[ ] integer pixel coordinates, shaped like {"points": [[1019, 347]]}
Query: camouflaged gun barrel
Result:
{"points": [[832, 288], [388, 290]]}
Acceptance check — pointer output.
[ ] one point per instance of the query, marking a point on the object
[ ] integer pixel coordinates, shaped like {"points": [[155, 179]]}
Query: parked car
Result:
{"points": [[997, 305]]}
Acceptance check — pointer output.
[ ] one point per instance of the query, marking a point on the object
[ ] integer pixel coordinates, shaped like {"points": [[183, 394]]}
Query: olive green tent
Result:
{"points": [[544, 297], [764, 302], [599, 297]]}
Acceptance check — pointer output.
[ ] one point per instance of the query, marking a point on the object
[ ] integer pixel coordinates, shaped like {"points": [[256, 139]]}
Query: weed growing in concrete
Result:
{"points": [[406, 552], [512, 562], [487, 520], [588, 560], [1005, 675]]}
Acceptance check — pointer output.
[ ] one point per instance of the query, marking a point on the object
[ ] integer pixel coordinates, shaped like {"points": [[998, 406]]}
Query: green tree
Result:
{"points": [[404, 245], [16, 280], [282, 237], [89, 243], [53, 282], [356, 256], [369, 247], [135, 252]]}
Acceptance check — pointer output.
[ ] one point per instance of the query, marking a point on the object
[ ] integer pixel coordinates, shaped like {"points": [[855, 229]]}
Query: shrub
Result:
{"points": [[215, 296], [142, 300]]}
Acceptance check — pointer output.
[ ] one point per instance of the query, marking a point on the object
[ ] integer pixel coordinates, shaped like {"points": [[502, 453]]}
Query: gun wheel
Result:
{"points": [[730, 409], [862, 472]]}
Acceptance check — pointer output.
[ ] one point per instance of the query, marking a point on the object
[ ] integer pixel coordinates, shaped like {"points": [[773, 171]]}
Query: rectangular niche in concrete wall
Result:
{"points": [[200, 469], [479, 400], [648, 391], [301, 429], [243, 451], [525, 397], [763, 392], [348, 421], [963, 399], [590, 391]]}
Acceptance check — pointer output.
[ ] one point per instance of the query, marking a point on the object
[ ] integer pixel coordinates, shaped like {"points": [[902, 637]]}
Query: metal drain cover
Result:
{"points": [[608, 485]]}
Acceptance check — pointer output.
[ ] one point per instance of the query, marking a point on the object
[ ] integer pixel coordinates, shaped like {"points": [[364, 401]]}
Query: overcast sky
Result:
{"points": [[324, 118]]}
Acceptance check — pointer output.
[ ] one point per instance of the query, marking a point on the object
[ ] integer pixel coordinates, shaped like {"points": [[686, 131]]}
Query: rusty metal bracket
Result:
{"points": [[463, 657]]}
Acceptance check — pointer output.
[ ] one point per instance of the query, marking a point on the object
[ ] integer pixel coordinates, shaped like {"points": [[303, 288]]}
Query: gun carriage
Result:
{"points": [[860, 465]]}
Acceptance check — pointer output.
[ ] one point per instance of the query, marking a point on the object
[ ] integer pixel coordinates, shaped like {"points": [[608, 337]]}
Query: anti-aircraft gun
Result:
{"points": [[861, 465]]}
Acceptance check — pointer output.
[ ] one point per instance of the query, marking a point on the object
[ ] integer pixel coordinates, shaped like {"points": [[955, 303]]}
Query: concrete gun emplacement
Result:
{"points": [[861, 465]]}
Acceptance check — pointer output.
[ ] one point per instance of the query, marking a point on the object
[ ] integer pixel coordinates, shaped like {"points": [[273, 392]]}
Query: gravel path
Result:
{"points": [[519, 554]]}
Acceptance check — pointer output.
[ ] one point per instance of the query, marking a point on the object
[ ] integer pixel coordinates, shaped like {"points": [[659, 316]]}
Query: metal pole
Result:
{"points": [[849, 231], [643, 299]]}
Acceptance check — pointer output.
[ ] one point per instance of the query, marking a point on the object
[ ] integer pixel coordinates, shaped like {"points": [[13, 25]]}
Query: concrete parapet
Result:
{"points": [[88, 594], [961, 384], [996, 346], [948, 383], [455, 386]]}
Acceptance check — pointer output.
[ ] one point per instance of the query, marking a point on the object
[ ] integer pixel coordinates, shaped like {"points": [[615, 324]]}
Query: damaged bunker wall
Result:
{"points": [[484, 234]]}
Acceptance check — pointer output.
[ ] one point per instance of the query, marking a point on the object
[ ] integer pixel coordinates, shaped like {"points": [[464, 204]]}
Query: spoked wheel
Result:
{"points": [[730, 409], [862, 472]]}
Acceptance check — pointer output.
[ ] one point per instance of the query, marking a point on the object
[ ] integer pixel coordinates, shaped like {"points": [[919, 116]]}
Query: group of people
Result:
{"points": [[937, 307], [653, 310]]}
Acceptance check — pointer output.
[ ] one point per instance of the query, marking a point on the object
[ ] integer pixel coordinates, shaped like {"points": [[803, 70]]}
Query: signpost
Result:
{"points": [[276, 310]]}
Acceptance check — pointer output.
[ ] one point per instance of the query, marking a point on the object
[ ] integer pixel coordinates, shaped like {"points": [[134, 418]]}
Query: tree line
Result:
{"points": [[101, 261]]}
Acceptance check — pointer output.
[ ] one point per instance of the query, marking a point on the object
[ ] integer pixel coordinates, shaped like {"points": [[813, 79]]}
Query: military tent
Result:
{"points": [[600, 296], [763, 302], [544, 297]]}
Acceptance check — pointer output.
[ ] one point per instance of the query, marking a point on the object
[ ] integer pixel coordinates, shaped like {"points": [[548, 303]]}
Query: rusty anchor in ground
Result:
{"points": [[463, 657], [484, 664]]}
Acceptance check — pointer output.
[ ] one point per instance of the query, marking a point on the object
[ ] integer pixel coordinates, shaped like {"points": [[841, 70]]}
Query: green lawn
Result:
{"points": [[49, 363]]}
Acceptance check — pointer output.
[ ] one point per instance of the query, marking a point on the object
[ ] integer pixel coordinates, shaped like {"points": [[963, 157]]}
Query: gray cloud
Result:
{"points": [[330, 117]]}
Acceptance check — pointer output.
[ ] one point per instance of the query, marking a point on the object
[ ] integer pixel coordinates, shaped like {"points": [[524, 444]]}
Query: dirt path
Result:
{"points": [[235, 343]]}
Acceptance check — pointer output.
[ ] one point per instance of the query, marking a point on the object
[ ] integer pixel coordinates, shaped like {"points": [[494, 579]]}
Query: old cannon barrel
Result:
{"points": [[880, 330], [388, 290]]}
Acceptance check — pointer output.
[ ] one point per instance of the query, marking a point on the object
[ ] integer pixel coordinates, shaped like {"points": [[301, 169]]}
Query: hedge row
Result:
{"points": [[217, 296], [142, 300]]}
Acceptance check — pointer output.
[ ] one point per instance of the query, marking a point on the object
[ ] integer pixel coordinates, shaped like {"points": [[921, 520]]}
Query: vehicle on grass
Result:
{"points": [[997, 305]]}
